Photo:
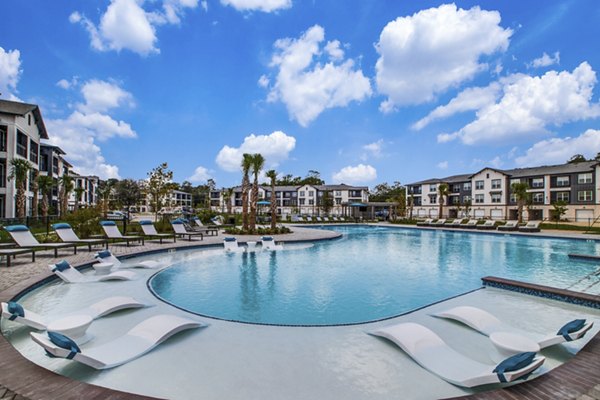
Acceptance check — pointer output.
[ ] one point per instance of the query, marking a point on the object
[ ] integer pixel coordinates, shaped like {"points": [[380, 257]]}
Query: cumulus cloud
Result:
{"points": [[360, 173], [127, 25], [275, 148], [545, 60], [433, 50], [10, 72], [307, 84], [530, 104], [443, 165], [559, 150], [201, 174], [258, 5], [372, 150], [101, 96]]}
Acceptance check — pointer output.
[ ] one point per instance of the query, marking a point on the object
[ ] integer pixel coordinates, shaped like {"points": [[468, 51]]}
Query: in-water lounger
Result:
{"points": [[108, 257], [138, 341], [433, 354], [13, 311], [70, 275], [268, 243], [486, 324]]}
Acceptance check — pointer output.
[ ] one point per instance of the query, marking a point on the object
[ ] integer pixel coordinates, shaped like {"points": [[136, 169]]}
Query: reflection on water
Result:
{"points": [[371, 273]]}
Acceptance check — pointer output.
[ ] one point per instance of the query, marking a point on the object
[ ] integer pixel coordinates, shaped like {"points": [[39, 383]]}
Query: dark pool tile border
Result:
{"points": [[547, 292]]}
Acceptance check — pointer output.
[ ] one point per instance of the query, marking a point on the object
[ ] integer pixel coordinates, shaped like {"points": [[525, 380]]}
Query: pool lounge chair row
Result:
{"points": [[309, 219], [513, 225]]}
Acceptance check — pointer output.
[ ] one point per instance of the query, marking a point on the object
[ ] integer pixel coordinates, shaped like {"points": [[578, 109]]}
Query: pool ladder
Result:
{"points": [[592, 275]]}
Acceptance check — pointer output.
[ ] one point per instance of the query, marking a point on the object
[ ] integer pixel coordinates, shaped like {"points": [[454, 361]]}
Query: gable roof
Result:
{"points": [[21, 109]]}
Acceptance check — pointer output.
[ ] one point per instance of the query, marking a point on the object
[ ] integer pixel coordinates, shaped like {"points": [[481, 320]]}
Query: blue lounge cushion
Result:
{"points": [[107, 223], [571, 327], [145, 222], [61, 225], [16, 228], [177, 221], [266, 238], [104, 254], [64, 342], [229, 239], [61, 266], [195, 218], [514, 363], [16, 310]]}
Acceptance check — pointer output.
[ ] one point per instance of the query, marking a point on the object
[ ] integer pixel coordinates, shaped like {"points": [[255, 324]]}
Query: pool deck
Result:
{"points": [[22, 379]]}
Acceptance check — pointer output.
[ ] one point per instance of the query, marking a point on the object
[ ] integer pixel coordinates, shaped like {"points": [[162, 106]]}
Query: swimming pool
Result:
{"points": [[371, 273]]}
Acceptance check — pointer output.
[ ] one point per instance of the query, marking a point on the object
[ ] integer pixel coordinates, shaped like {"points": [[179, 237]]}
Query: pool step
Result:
{"points": [[588, 257]]}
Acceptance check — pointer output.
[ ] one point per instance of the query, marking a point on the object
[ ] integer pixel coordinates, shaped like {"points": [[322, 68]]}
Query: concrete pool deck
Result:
{"points": [[228, 360]]}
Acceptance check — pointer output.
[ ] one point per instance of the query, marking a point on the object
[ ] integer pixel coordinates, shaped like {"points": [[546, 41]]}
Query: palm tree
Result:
{"points": [[19, 171], [258, 161], [78, 192], [66, 187], [227, 196], [36, 191], [443, 191], [519, 189], [45, 184], [272, 175], [246, 165]]}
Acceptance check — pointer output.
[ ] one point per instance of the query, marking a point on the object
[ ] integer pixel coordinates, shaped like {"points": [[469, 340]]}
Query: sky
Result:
{"points": [[364, 92]]}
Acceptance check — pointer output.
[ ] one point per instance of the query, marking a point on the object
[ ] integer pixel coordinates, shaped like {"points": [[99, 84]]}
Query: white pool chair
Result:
{"points": [[231, 245], [23, 237], [433, 354], [149, 230], [180, 230], [512, 225], [268, 243], [70, 275], [107, 257], [138, 341], [66, 234], [427, 222], [470, 224], [486, 324], [111, 231], [13, 311]]}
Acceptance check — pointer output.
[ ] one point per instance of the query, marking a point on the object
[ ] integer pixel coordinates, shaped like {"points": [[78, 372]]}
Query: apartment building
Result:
{"points": [[488, 192], [304, 199], [85, 192]]}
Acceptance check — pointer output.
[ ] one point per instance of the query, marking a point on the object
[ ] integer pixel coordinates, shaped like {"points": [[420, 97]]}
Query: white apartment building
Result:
{"points": [[175, 200], [489, 193]]}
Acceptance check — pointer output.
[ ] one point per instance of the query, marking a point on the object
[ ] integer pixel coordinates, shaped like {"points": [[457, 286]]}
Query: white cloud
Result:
{"points": [[258, 5], [101, 96], [201, 174], [10, 72], [308, 86], [355, 174], [372, 150], [545, 60], [443, 165], [275, 148], [127, 25], [433, 50], [263, 81], [204, 5], [559, 150], [529, 104]]}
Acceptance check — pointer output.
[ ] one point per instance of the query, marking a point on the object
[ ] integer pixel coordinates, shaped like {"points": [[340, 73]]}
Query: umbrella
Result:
{"points": [[264, 203], [357, 205]]}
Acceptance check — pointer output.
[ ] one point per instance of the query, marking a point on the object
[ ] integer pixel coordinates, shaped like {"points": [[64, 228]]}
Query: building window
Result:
{"points": [[496, 198], [433, 199], [538, 198], [456, 188], [467, 186], [2, 206], [513, 198], [338, 201], [563, 196], [3, 132], [21, 144], [537, 183], [455, 199], [311, 194], [478, 198], [584, 178], [466, 199], [33, 152], [584, 195], [433, 188], [302, 194], [513, 181], [562, 181], [478, 185], [28, 119], [338, 193], [301, 202], [311, 202], [496, 184], [3, 173]]}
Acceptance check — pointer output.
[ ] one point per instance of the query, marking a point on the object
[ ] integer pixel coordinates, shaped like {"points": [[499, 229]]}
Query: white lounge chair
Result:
{"points": [[512, 225], [112, 232], [427, 222], [454, 224], [180, 230], [138, 341], [471, 224], [209, 230], [268, 243], [231, 245], [70, 275], [532, 226], [433, 354], [23, 237], [487, 225], [149, 230], [67, 235], [107, 257], [15, 312], [486, 324]]}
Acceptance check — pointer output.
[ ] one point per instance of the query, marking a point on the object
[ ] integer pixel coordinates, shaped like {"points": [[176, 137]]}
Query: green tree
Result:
{"points": [[227, 198], [127, 193], [519, 189], [45, 184], [313, 178], [36, 192], [246, 165], [326, 202], [78, 192], [66, 186], [411, 205], [105, 189], [159, 185], [258, 162], [443, 192], [559, 208], [467, 206], [577, 158], [272, 175], [19, 171]]}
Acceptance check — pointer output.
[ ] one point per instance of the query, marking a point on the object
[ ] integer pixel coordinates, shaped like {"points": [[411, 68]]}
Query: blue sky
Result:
{"points": [[362, 91]]}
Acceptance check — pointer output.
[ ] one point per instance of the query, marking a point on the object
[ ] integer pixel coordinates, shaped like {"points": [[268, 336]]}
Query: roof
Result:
{"points": [[294, 188], [448, 179], [21, 109], [53, 148]]}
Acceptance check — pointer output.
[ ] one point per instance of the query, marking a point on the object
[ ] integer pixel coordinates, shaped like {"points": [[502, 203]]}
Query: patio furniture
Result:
{"points": [[427, 222], [471, 224], [112, 232], [268, 243], [512, 225], [181, 231], [23, 237], [487, 225], [231, 245], [66, 234], [532, 226], [149, 230], [107, 257], [70, 275], [12, 253]]}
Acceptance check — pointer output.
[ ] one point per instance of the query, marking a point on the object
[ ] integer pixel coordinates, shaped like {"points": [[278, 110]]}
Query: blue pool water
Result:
{"points": [[369, 274]]}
